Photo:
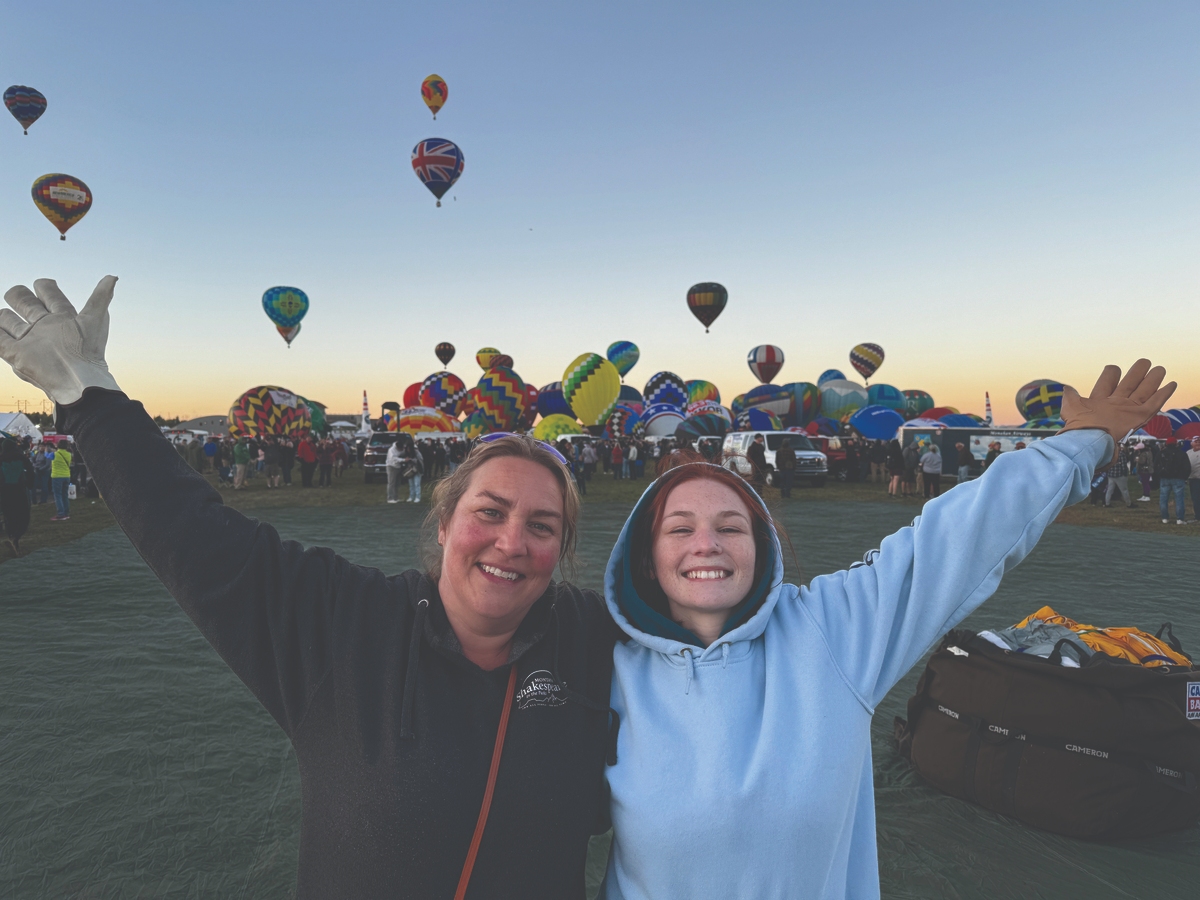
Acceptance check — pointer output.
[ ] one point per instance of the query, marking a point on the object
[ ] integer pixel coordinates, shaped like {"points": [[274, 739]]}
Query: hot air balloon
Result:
{"points": [[959, 420], [1159, 427], [1032, 423], [501, 359], [412, 395], [443, 391], [886, 395], [551, 402], [285, 306], [63, 200], [477, 424], [707, 425], [757, 420], [737, 404], [269, 410], [499, 399], [771, 397], [916, 403], [434, 92], [485, 356], [1181, 417], [25, 104], [830, 375], [624, 355], [876, 423], [937, 412], [438, 163], [631, 397], [288, 334], [666, 387], [699, 390], [706, 300], [866, 358], [840, 398], [531, 406], [806, 402], [621, 423], [765, 361], [419, 419], [1045, 401], [444, 352], [591, 385], [552, 427], [662, 419], [1024, 392], [708, 408]]}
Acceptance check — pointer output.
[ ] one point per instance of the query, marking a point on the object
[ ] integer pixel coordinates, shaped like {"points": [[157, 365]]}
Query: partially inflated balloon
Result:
{"points": [[806, 402], [631, 397], [624, 355], [621, 423], [738, 404], [937, 412], [552, 427], [25, 104], [269, 410], [438, 163], [285, 306], [62, 199], [706, 300], [916, 403], [866, 358], [765, 361], [419, 419], [444, 352], [705, 425], [591, 385], [485, 356], [551, 402], [412, 394], [887, 396], [288, 334], [757, 420], [434, 92], [662, 419], [531, 406], [770, 397], [699, 391], [477, 424], [840, 398], [666, 387], [443, 391], [830, 375]]}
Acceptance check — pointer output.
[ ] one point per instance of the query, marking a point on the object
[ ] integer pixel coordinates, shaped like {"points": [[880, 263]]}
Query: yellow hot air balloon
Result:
{"points": [[434, 92], [591, 385], [554, 426]]}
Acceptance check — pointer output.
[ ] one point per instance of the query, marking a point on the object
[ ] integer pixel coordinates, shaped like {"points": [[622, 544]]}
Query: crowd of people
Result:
{"points": [[31, 475], [237, 460]]}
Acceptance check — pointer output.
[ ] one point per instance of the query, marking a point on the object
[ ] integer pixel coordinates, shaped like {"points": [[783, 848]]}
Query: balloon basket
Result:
{"points": [[62, 237], [439, 203]]}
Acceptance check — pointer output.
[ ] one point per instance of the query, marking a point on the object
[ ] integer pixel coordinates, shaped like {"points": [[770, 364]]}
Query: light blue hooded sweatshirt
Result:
{"points": [[744, 768]]}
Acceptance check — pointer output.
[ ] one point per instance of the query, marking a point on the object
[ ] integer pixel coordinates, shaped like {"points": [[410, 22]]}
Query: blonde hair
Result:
{"points": [[448, 491]]}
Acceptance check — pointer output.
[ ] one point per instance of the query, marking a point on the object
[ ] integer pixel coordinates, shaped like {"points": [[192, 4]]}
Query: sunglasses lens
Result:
{"points": [[496, 435]]}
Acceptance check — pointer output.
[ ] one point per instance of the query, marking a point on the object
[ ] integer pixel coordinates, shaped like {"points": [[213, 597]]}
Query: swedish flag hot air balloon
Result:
{"points": [[591, 385]]}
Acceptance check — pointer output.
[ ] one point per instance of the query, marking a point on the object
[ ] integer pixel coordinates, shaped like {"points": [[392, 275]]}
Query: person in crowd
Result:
{"points": [[260, 456], [785, 466], [631, 460], [1174, 469], [931, 469], [273, 471], [439, 459], [964, 462], [42, 458], [1019, 445], [1193, 456], [287, 460], [853, 460], [912, 464], [1118, 479], [617, 456], [325, 463], [412, 469], [573, 453], [877, 456], [605, 454], [457, 453], [241, 462], [60, 480], [756, 455], [392, 690], [589, 462], [992, 455], [16, 480], [895, 466], [211, 446], [195, 454], [1144, 460], [394, 465], [746, 703], [306, 453]]}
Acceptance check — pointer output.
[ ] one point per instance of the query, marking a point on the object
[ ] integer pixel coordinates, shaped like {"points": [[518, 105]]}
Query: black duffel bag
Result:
{"points": [[1106, 751]]}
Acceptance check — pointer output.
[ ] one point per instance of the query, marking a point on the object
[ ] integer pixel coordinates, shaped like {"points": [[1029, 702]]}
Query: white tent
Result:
{"points": [[18, 424]]}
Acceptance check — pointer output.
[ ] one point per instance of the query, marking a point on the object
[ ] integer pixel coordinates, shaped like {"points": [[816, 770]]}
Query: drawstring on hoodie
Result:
{"points": [[614, 718], [686, 652], [410, 675], [725, 654]]}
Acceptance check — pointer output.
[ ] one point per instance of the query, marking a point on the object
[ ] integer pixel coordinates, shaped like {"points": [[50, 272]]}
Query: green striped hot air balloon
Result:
{"points": [[591, 385]]}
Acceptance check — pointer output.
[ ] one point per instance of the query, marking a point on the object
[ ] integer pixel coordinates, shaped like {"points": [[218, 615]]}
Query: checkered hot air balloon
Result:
{"points": [[438, 163], [621, 423], [765, 361], [443, 391], [624, 355], [706, 301], [866, 358], [25, 103], [591, 385], [666, 387], [63, 199], [269, 410], [285, 306]]}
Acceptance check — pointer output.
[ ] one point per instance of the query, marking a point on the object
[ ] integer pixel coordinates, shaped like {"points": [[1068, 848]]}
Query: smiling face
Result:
{"points": [[500, 545], [704, 554]]}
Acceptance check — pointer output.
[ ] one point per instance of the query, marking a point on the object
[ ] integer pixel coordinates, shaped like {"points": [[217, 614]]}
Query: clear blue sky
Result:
{"points": [[994, 193]]}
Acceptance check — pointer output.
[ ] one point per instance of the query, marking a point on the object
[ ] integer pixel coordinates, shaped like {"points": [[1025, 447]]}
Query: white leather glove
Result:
{"points": [[52, 346]]}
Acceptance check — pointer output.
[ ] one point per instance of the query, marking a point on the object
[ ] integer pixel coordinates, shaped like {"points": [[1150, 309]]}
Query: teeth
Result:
{"points": [[706, 574], [499, 573]]}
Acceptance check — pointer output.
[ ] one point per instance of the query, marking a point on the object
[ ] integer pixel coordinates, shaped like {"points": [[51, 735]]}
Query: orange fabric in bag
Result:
{"points": [[1130, 644]]}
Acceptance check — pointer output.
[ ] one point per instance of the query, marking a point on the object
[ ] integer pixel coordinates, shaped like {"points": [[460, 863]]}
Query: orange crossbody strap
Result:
{"points": [[465, 878]]}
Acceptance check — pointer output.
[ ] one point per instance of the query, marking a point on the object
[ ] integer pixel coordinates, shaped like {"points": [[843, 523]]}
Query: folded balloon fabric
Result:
{"points": [[1038, 634]]}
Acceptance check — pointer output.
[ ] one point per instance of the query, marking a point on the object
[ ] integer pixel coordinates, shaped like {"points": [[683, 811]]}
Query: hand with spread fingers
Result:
{"points": [[1118, 405], [52, 346]]}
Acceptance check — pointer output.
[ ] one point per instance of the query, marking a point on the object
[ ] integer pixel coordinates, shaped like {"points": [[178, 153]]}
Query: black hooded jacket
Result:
{"points": [[393, 727]]}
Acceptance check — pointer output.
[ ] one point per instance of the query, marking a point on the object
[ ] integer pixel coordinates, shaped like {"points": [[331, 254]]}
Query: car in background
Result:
{"points": [[811, 464], [374, 459]]}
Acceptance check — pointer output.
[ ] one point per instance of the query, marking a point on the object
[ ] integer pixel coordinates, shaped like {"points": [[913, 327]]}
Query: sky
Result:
{"points": [[992, 192]]}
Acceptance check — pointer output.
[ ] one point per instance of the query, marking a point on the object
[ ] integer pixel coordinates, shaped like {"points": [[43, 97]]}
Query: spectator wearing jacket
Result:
{"points": [[877, 455], [618, 461], [785, 466], [912, 462], [1118, 479], [241, 459], [756, 455], [394, 465], [60, 480], [931, 468], [306, 453], [325, 462], [1145, 469], [42, 457], [1174, 469], [412, 469], [272, 470], [895, 464]]}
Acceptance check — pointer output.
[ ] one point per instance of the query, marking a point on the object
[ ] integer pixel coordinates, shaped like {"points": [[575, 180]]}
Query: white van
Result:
{"points": [[811, 464]]}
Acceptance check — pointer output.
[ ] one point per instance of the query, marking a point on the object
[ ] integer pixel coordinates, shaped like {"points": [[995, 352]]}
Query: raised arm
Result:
{"points": [[881, 615], [264, 604]]}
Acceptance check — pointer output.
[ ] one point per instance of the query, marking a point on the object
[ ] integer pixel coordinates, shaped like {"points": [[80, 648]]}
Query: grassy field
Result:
{"points": [[350, 490]]}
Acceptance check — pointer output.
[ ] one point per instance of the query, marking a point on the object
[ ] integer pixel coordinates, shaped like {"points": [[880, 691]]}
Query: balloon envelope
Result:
{"points": [[666, 387], [269, 410], [1187, 431], [64, 200], [1044, 401], [938, 411], [412, 394], [737, 404], [959, 420], [662, 419], [866, 358], [699, 391], [916, 403], [770, 397], [443, 391], [876, 423], [1025, 391], [1181, 417], [25, 103], [485, 356], [840, 398], [434, 92], [886, 395], [830, 375], [531, 407], [631, 397], [444, 352], [706, 300], [500, 398], [765, 361], [754, 419], [805, 402], [423, 418], [552, 427], [285, 306], [621, 423], [624, 355], [591, 385], [551, 402], [288, 334], [438, 163], [701, 426], [1159, 427]]}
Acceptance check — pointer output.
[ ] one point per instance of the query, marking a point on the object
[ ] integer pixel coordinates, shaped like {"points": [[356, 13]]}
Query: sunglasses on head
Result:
{"points": [[496, 435]]}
